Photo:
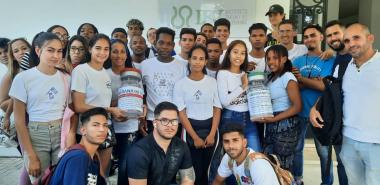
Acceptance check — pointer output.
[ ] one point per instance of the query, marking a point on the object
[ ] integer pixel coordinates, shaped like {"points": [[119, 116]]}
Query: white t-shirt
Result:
{"points": [[130, 49], [182, 60], [160, 78], [3, 70], [260, 63], [151, 53], [96, 85], [261, 172], [211, 73], [44, 95], [231, 94], [136, 65], [198, 97], [361, 105], [129, 126], [296, 51], [278, 92]]}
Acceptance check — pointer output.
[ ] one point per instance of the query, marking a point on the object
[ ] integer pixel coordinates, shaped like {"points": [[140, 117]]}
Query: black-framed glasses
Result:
{"points": [[62, 37], [166, 122], [77, 49], [285, 31]]}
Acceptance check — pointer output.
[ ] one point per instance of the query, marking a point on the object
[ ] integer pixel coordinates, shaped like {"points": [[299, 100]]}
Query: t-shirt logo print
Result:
{"points": [[108, 84], [52, 92], [241, 99], [198, 94], [163, 83], [246, 180], [91, 179]]}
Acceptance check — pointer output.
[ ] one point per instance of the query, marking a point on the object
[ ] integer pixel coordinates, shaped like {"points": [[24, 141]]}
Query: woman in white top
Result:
{"points": [[281, 131], [232, 87], [77, 52], [17, 48], [91, 87], [196, 97], [126, 131], [41, 93]]}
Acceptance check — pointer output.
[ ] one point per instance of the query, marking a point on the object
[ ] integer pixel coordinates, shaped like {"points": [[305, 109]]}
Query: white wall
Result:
{"points": [[25, 18], [368, 14]]}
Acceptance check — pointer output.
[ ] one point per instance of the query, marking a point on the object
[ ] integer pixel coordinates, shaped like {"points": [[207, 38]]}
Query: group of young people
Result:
{"points": [[198, 94]]}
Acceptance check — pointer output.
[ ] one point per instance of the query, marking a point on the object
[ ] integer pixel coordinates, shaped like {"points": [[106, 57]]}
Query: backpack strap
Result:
{"points": [[230, 163], [247, 165], [247, 169], [231, 167], [276, 165]]}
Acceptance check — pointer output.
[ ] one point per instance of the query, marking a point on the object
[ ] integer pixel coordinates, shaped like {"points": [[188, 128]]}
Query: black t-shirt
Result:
{"points": [[340, 59], [271, 41], [147, 160]]}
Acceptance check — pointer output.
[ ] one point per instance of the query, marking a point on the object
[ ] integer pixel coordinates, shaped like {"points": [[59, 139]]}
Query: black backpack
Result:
{"points": [[330, 106]]}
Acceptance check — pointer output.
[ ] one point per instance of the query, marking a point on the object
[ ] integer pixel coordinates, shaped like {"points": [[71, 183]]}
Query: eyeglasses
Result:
{"points": [[133, 28], [165, 121], [285, 31], [75, 49], [62, 37]]}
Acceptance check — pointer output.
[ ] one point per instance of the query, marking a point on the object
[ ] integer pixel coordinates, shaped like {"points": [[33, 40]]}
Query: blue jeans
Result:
{"points": [[323, 152], [124, 142], [361, 161], [298, 156], [250, 131]]}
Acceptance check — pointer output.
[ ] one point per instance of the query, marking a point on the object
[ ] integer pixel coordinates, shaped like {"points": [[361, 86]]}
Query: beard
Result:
{"points": [[339, 48], [239, 153], [166, 136], [259, 46], [311, 48]]}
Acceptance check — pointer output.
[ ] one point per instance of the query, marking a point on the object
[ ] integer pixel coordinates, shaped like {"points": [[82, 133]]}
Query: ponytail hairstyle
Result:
{"points": [[33, 59], [95, 39], [68, 63], [127, 63], [61, 37], [42, 38], [280, 51], [201, 47], [56, 26], [226, 64], [13, 65], [93, 27]]}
